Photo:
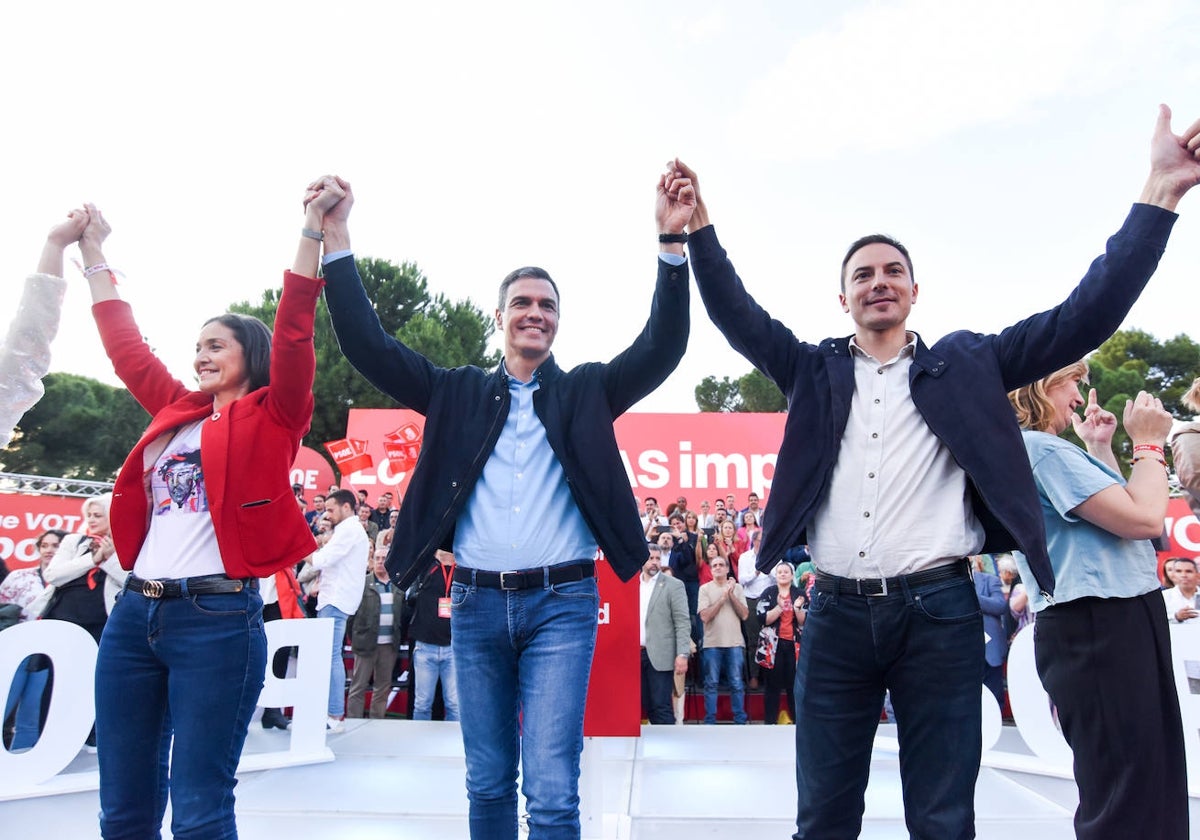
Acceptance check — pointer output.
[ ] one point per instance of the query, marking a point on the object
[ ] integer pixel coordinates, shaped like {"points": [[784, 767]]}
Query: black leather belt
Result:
{"points": [[882, 586], [525, 578], [182, 587]]}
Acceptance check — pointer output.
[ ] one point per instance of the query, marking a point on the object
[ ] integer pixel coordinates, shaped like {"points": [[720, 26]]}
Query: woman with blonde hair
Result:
{"points": [[85, 572], [1101, 645]]}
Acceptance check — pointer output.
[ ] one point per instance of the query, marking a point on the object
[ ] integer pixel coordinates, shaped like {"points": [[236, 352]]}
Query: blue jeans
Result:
{"points": [[730, 660], [337, 665], [189, 667], [523, 659], [925, 644], [25, 695], [431, 663]]}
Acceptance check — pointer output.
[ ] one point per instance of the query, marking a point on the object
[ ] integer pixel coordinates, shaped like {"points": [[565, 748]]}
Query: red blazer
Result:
{"points": [[247, 448]]}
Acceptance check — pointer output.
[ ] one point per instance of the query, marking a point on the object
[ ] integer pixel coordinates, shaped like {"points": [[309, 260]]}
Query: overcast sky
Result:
{"points": [[1002, 143]]}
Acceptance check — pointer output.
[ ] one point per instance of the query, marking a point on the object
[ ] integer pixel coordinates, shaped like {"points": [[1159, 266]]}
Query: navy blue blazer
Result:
{"points": [[465, 409], [959, 385]]}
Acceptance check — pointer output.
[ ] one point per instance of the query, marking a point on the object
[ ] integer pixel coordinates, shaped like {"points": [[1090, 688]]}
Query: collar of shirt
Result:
{"points": [[907, 351]]}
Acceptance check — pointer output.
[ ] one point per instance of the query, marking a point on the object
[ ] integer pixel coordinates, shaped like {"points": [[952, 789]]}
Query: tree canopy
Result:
{"points": [[81, 428], [751, 392], [1132, 361]]}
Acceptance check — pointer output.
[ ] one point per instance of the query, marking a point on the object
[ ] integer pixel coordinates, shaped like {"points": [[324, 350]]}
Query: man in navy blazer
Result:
{"points": [[898, 460], [990, 591]]}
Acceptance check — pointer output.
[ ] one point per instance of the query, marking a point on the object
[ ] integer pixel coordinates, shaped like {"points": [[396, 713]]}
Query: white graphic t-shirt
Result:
{"points": [[181, 542]]}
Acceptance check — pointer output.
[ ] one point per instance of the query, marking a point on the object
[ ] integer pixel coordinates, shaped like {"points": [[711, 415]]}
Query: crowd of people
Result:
{"points": [[900, 460]]}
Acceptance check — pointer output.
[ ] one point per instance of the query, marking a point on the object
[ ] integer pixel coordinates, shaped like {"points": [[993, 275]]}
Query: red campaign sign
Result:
{"points": [[614, 705], [349, 454], [1183, 531], [312, 472], [700, 456], [23, 518]]}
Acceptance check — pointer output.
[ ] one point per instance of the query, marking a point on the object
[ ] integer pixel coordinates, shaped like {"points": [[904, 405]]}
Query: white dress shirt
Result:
{"points": [[342, 563], [1176, 600], [898, 502]]}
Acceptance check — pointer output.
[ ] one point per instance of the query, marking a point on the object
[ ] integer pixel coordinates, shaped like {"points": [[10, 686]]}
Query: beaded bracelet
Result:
{"points": [[1148, 458]]}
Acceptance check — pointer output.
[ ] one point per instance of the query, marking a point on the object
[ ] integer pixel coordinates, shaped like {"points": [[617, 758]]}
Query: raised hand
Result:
{"points": [[68, 231], [1097, 426], [675, 202], [1146, 421], [94, 234], [330, 197], [1174, 162], [700, 214], [326, 193]]}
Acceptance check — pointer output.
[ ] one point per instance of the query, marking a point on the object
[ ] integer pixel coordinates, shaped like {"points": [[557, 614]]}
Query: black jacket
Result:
{"points": [[465, 409]]}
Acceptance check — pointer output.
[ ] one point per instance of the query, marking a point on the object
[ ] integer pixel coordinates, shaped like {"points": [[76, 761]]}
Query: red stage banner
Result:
{"points": [[614, 703], [23, 518], [700, 456]]}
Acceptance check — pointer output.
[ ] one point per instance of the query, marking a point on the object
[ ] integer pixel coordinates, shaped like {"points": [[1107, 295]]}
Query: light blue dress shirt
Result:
{"points": [[521, 514]]}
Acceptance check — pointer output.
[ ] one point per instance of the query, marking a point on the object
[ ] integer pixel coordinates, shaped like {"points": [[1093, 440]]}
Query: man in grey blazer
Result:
{"points": [[666, 630]]}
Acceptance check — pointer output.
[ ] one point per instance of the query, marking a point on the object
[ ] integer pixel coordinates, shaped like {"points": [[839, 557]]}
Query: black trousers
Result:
{"points": [[1106, 664], [657, 687], [781, 678]]}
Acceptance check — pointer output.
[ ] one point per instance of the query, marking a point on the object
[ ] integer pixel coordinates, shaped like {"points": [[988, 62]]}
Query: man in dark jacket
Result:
{"points": [[520, 477], [898, 460], [429, 629]]}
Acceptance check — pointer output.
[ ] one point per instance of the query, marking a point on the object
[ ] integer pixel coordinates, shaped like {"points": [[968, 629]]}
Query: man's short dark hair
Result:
{"points": [[318, 498], [342, 497], [255, 338], [675, 516], [526, 271], [1187, 560], [875, 239]]}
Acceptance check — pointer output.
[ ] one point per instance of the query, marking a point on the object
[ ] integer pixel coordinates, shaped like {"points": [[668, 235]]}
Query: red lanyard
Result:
{"points": [[447, 575]]}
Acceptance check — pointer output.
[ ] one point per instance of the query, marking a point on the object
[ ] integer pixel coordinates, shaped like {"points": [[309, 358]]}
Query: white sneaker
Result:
{"points": [[335, 725]]}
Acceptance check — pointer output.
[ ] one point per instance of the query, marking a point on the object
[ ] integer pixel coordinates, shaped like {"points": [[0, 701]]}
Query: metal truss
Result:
{"points": [[17, 483]]}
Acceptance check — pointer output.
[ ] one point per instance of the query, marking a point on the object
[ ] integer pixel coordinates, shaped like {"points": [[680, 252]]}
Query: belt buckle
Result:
{"points": [[152, 588], [882, 586], [504, 584]]}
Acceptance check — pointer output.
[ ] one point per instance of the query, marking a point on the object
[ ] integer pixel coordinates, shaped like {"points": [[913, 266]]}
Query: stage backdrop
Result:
{"points": [[699, 456]]}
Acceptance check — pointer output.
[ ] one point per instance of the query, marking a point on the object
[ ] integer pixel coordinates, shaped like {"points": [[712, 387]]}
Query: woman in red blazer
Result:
{"points": [[201, 509]]}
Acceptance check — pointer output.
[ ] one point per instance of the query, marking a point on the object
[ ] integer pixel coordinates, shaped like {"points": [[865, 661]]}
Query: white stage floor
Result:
{"points": [[403, 780]]}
